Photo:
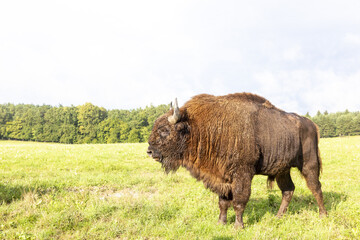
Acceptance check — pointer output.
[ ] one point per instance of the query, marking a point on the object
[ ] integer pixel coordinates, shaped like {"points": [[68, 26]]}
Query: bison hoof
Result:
{"points": [[323, 214], [222, 222], [238, 225]]}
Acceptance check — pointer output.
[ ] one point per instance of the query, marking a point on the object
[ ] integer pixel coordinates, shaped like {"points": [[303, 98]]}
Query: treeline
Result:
{"points": [[91, 124], [81, 124], [337, 124]]}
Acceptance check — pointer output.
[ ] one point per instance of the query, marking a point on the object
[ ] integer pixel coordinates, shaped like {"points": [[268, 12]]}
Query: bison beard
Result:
{"points": [[224, 141]]}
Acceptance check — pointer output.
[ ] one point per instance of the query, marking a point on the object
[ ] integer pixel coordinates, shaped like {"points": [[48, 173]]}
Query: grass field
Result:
{"points": [[56, 191]]}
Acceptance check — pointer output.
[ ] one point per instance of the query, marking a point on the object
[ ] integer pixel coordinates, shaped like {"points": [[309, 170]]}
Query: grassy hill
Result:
{"points": [[114, 191]]}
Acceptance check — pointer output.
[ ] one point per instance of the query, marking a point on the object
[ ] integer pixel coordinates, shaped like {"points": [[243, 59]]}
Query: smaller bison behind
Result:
{"points": [[225, 140]]}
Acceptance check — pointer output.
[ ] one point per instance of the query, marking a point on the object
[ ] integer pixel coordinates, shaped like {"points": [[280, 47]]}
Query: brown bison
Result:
{"points": [[225, 140]]}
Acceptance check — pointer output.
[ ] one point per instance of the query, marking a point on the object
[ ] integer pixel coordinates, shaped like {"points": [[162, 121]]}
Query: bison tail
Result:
{"points": [[270, 182], [318, 150], [320, 161]]}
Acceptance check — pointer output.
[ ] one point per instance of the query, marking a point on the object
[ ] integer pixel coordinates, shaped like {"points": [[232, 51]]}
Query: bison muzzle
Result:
{"points": [[225, 140]]}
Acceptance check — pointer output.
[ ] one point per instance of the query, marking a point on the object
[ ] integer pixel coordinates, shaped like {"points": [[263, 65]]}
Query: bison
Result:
{"points": [[224, 141]]}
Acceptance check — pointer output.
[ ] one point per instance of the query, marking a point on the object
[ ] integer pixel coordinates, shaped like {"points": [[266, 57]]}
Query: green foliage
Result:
{"points": [[89, 118], [92, 124], [113, 130], [337, 124], [82, 124], [114, 191]]}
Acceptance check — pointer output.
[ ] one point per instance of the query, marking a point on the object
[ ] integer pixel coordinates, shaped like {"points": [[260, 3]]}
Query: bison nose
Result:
{"points": [[149, 152]]}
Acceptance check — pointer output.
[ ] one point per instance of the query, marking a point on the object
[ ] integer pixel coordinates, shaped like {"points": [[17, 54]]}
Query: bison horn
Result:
{"points": [[176, 116]]}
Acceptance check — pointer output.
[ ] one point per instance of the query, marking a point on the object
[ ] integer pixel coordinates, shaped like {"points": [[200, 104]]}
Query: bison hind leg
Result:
{"points": [[287, 188], [311, 176]]}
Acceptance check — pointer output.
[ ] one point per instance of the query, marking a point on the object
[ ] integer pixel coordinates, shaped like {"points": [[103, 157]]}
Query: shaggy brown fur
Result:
{"points": [[224, 141]]}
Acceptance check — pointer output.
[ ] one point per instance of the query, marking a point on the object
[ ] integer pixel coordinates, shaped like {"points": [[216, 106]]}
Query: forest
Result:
{"points": [[77, 124], [92, 124], [337, 124]]}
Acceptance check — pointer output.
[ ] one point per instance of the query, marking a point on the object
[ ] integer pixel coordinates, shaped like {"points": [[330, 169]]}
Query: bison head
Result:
{"points": [[168, 139]]}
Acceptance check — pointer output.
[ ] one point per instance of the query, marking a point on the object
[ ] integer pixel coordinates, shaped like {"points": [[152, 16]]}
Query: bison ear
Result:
{"points": [[176, 115]]}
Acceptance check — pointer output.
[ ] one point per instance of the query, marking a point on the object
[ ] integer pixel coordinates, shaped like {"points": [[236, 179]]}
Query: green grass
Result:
{"points": [[56, 191]]}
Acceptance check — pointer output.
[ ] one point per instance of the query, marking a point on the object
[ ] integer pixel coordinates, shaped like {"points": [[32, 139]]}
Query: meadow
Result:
{"points": [[114, 191]]}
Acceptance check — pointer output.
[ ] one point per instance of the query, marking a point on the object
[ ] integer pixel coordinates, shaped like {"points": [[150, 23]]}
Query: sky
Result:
{"points": [[303, 56]]}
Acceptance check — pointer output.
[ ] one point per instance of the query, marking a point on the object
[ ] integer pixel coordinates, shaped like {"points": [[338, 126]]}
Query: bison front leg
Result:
{"points": [[224, 204], [241, 193]]}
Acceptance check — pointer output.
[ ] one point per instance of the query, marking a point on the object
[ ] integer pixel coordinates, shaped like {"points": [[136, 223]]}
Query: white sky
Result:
{"points": [[301, 55]]}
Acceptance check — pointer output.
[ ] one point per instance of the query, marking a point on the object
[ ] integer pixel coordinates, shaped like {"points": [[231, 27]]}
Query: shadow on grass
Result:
{"points": [[11, 193], [222, 238], [257, 208]]}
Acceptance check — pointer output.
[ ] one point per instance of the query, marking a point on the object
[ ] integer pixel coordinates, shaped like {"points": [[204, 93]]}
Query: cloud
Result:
{"points": [[293, 53], [309, 91], [352, 38], [129, 54]]}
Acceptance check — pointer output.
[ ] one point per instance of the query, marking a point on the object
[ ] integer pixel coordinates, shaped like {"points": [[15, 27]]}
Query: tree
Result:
{"points": [[7, 112], [69, 124], [110, 131], [343, 125], [52, 123], [14, 128], [355, 125], [328, 128], [89, 116], [134, 136]]}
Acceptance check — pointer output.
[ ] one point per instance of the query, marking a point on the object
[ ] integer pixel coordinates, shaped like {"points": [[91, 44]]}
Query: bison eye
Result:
{"points": [[164, 134]]}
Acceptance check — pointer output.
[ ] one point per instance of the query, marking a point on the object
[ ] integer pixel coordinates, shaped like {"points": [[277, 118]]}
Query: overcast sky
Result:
{"points": [[301, 55]]}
